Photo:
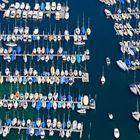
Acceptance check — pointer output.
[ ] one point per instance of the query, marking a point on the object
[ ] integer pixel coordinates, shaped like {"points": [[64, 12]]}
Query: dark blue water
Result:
{"points": [[113, 97]]}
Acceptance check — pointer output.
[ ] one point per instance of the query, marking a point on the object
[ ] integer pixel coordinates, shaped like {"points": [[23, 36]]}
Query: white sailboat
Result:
{"points": [[103, 80], [136, 114]]}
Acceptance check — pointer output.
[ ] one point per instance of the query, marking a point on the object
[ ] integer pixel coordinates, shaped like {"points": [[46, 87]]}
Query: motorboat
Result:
{"points": [[82, 111], [103, 80], [110, 115], [108, 61], [116, 133], [122, 65]]}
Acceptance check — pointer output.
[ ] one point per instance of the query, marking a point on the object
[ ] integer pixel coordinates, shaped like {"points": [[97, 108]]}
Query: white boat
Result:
{"points": [[133, 88], [139, 126], [53, 6], [110, 115], [108, 61], [107, 12], [136, 114], [103, 80], [42, 134], [5, 1], [48, 6], [6, 131], [116, 133], [85, 100], [11, 44], [122, 65], [82, 111]]}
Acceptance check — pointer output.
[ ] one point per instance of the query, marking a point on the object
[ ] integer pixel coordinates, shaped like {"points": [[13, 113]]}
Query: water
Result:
{"points": [[113, 97]]}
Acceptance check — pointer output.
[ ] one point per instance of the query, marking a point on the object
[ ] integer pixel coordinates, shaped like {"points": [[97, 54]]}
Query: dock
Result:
{"points": [[82, 106], [40, 14], [45, 129], [133, 67], [84, 77], [41, 55], [132, 46], [41, 35]]}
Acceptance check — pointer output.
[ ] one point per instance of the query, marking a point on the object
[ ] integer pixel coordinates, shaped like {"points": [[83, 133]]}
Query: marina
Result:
{"points": [[38, 128], [29, 74], [55, 101], [23, 10], [69, 69]]}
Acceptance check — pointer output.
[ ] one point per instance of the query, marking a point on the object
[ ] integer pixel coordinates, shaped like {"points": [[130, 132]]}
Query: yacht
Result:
{"points": [[133, 88], [122, 65], [5, 1], [136, 114], [139, 126], [116, 133], [103, 80], [82, 111], [108, 61], [110, 115], [11, 44]]}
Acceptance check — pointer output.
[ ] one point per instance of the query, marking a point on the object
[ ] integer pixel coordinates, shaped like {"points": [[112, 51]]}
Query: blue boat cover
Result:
{"points": [[69, 97], [47, 50], [130, 44], [62, 79], [37, 132], [133, 49], [78, 58], [79, 98], [34, 38], [27, 131], [65, 52], [18, 49], [49, 105], [38, 58], [24, 80], [79, 105], [66, 80], [46, 37], [42, 6], [51, 57], [122, 1], [60, 97], [43, 124], [33, 124], [34, 79], [83, 30], [127, 62], [73, 106], [38, 105], [8, 122], [13, 57], [64, 125], [59, 104]]}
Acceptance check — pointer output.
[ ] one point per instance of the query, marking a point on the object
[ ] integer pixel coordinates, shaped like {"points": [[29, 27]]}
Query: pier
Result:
{"points": [[39, 14], [84, 77], [82, 106], [46, 129]]}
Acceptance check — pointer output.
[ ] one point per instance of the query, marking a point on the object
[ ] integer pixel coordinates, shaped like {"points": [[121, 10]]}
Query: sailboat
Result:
{"points": [[133, 87], [136, 114], [103, 80]]}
